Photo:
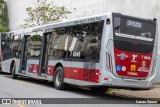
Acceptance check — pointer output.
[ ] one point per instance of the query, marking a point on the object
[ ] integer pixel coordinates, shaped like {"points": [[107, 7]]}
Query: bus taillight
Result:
{"points": [[108, 61], [153, 67]]}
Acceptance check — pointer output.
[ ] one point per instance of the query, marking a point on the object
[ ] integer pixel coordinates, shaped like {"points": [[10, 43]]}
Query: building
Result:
{"points": [[81, 8]]}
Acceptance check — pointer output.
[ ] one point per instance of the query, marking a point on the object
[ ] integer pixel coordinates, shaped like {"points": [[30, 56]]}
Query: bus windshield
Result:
{"points": [[134, 30]]}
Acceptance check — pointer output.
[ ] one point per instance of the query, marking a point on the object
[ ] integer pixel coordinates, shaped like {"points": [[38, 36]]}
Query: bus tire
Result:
{"points": [[14, 75], [58, 78]]}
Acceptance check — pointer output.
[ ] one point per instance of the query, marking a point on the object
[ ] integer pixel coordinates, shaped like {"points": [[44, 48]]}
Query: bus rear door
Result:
{"points": [[43, 62], [23, 58]]}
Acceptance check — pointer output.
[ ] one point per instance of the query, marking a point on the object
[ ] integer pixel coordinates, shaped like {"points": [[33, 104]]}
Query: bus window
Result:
{"points": [[33, 46], [80, 42], [58, 43], [86, 41], [6, 46], [17, 45], [134, 35]]}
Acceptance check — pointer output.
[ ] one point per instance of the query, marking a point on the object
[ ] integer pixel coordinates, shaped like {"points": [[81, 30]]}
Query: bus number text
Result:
{"points": [[75, 54]]}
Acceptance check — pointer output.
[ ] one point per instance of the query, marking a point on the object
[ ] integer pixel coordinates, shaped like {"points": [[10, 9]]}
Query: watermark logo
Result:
{"points": [[6, 101], [21, 101]]}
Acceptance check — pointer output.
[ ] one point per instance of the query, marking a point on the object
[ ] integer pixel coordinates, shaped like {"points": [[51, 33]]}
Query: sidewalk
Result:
{"points": [[152, 93]]}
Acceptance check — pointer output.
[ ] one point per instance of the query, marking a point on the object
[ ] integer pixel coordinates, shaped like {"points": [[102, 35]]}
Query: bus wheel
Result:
{"points": [[58, 78], [14, 76]]}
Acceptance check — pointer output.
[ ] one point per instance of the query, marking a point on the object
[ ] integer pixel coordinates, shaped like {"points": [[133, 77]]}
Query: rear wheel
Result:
{"points": [[58, 78], [13, 70]]}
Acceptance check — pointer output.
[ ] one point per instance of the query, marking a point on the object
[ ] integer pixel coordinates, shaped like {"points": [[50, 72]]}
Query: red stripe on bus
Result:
{"points": [[33, 68], [91, 75], [50, 70]]}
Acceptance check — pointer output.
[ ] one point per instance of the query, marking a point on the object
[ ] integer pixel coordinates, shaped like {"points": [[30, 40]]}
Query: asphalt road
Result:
{"points": [[31, 88]]}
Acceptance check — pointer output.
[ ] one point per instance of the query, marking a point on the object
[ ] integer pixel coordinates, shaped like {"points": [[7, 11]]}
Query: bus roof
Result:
{"points": [[72, 22], [82, 20], [23, 31], [68, 23]]}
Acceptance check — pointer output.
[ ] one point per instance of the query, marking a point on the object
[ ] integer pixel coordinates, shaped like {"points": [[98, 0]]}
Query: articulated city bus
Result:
{"points": [[110, 50]]}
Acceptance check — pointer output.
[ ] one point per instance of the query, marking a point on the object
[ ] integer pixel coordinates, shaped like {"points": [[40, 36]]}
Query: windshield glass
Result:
{"points": [[135, 31]]}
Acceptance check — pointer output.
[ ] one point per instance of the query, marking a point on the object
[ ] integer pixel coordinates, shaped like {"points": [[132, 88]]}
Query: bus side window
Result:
{"points": [[16, 50], [79, 43], [34, 46], [17, 45], [58, 43], [7, 46], [95, 39], [86, 41]]}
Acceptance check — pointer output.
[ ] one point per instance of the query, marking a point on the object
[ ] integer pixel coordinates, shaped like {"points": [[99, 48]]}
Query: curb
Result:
{"points": [[130, 96]]}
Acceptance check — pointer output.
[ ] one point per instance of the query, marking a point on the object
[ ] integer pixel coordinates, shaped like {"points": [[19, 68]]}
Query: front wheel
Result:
{"points": [[13, 69], [58, 78]]}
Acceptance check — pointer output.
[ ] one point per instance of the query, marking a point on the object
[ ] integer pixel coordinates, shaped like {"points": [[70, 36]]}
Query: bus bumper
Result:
{"points": [[132, 83]]}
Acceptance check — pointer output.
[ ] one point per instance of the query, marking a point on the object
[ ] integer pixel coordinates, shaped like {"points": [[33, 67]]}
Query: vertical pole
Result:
{"points": [[42, 54]]}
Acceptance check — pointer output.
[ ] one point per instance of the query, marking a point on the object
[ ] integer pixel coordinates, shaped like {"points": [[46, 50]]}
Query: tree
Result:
{"points": [[3, 17], [36, 38], [44, 13]]}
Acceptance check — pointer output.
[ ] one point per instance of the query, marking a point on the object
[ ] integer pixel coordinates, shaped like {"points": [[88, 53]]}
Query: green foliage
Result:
{"points": [[36, 38], [4, 29], [3, 17], [44, 13]]}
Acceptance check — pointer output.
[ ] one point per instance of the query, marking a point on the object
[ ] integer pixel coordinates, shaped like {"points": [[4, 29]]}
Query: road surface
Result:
{"points": [[31, 88]]}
